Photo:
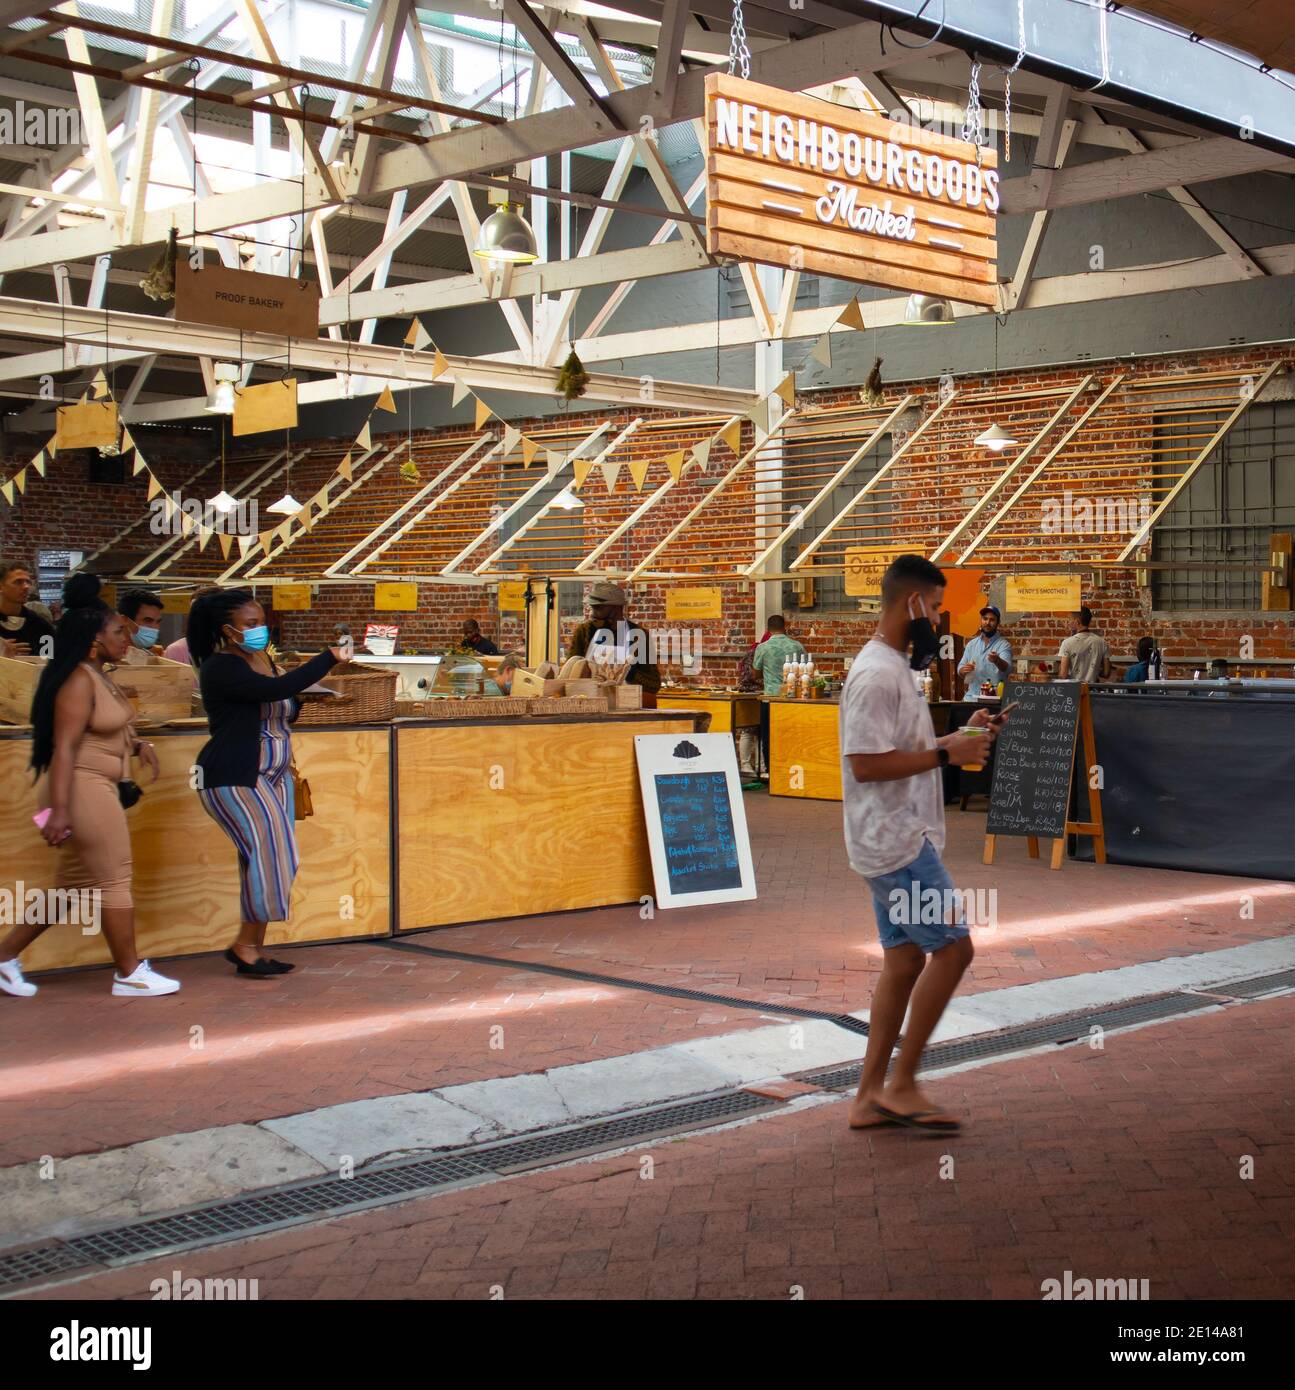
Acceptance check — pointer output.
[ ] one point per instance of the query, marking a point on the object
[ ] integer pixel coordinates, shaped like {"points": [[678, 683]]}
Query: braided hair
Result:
{"points": [[208, 614], [84, 616]]}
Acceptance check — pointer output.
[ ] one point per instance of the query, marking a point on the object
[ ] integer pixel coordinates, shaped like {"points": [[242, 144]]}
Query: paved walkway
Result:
{"points": [[1124, 1163]]}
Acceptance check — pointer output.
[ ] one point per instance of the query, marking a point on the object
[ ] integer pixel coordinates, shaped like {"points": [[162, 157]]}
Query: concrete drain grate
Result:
{"points": [[1251, 989]]}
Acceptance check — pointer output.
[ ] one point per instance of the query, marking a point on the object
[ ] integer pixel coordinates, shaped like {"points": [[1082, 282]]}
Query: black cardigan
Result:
{"points": [[233, 694]]}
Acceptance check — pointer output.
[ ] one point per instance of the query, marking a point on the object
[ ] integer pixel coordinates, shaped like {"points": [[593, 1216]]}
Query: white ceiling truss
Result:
{"points": [[378, 142]]}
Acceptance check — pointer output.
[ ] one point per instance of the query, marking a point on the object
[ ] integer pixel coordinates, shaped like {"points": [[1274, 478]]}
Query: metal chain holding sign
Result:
{"points": [[739, 55], [973, 124], [1007, 81]]}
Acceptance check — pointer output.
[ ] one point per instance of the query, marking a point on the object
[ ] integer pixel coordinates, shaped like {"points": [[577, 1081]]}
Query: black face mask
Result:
{"points": [[924, 640]]}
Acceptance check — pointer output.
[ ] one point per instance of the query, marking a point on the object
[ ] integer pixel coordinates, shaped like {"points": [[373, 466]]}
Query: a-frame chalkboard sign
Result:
{"points": [[1034, 762]]}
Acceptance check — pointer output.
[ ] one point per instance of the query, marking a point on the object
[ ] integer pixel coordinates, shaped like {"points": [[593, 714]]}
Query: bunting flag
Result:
{"points": [[265, 538], [139, 465], [412, 331], [529, 449], [99, 385], [786, 388], [386, 401], [822, 350], [731, 434], [245, 544], [20, 480], [421, 336], [345, 469], [701, 452], [38, 463], [639, 472], [154, 487], [6, 491], [187, 523], [128, 441], [611, 471], [580, 468], [284, 531], [511, 436], [852, 315], [364, 439], [226, 544], [461, 392], [483, 411], [674, 462], [760, 419], [204, 535], [439, 364], [555, 459]]}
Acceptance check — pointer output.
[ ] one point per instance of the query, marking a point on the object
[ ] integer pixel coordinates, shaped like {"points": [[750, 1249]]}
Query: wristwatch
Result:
{"points": [[943, 755]]}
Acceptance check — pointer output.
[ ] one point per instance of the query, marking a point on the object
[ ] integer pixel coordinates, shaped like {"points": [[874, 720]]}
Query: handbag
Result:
{"points": [[302, 803], [129, 792]]}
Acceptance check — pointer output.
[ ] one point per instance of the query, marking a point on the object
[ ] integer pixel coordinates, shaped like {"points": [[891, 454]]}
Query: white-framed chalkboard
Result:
{"points": [[696, 823]]}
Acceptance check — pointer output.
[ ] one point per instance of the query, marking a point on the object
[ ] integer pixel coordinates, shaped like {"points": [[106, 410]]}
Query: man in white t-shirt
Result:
{"points": [[891, 763]]}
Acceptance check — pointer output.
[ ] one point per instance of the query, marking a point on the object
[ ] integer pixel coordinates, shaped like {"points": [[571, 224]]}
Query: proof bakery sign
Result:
{"points": [[812, 186]]}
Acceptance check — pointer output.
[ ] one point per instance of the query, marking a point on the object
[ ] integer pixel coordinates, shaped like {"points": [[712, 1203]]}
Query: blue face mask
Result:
{"points": [[146, 637], [255, 639]]}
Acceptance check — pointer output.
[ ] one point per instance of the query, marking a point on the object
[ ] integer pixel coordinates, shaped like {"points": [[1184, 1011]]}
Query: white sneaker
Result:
{"points": [[12, 982], [144, 980]]}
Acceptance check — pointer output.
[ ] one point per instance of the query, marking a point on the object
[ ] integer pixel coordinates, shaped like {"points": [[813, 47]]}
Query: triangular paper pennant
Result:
{"points": [[555, 459], [265, 538], [386, 401], [611, 471], [283, 532], [412, 331], [345, 468], [128, 442], [245, 544], [38, 463], [580, 469], [701, 452], [204, 535], [52, 446], [760, 419], [439, 364], [674, 462], [731, 434], [20, 480], [511, 436], [638, 471], [786, 388], [154, 487], [99, 385], [169, 508], [139, 465], [187, 523], [364, 440], [6, 491], [822, 350], [529, 449], [461, 392], [226, 543], [421, 336], [483, 411], [852, 315]]}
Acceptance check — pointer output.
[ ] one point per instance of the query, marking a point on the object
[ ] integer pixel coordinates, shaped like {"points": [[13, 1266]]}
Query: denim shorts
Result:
{"points": [[909, 913]]}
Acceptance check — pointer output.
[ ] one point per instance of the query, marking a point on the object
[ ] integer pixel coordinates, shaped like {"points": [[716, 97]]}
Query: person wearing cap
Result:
{"points": [[607, 615], [988, 656]]}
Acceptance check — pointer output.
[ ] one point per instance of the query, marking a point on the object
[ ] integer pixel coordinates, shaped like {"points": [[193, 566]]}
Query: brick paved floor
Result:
{"points": [[85, 1072], [1121, 1163]]}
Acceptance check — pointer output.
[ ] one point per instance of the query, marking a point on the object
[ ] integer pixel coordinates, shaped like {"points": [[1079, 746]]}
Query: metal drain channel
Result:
{"points": [[589, 977], [324, 1198]]}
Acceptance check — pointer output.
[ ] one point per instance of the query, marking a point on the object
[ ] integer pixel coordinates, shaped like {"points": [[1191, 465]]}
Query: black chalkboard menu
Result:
{"points": [[694, 818], [697, 831], [1034, 759]]}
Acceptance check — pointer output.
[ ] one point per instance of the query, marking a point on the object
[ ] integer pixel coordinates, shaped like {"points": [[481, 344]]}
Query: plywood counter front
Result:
{"points": [[728, 710], [804, 749], [503, 817]]}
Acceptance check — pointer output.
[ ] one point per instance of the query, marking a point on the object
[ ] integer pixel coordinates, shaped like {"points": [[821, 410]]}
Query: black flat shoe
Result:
{"points": [[280, 967], [262, 970]]}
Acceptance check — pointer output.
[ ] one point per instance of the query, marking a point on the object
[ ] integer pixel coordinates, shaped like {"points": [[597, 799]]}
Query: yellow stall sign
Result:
{"points": [[292, 598], [682, 604], [864, 566], [512, 596], [173, 601], [1042, 593], [395, 598]]}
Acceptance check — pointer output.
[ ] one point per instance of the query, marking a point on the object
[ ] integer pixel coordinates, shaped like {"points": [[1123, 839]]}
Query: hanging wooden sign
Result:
{"points": [[1042, 593], [864, 566], [86, 426], [809, 185], [272, 406], [681, 604], [291, 598], [398, 597], [512, 596], [246, 299]]}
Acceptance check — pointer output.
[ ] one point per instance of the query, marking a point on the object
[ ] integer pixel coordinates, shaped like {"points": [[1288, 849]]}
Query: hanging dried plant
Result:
{"points": [[573, 380], [409, 472], [159, 283], [872, 388]]}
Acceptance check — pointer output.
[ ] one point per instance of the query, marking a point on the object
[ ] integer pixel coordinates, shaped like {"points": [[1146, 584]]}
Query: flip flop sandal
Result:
{"points": [[920, 1119]]}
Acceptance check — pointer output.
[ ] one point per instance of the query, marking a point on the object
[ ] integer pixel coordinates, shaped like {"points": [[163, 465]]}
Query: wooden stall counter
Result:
{"points": [[804, 748], [729, 710], [504, 817]]}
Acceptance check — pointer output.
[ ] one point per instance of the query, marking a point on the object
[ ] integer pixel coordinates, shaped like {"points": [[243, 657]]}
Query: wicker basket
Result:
{"points": [[363, 697], [570, 704], [478, 707]]}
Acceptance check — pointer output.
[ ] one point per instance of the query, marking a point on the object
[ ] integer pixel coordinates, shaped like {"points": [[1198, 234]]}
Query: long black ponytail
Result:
{"points": [[84, 615], [208, 613]]}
